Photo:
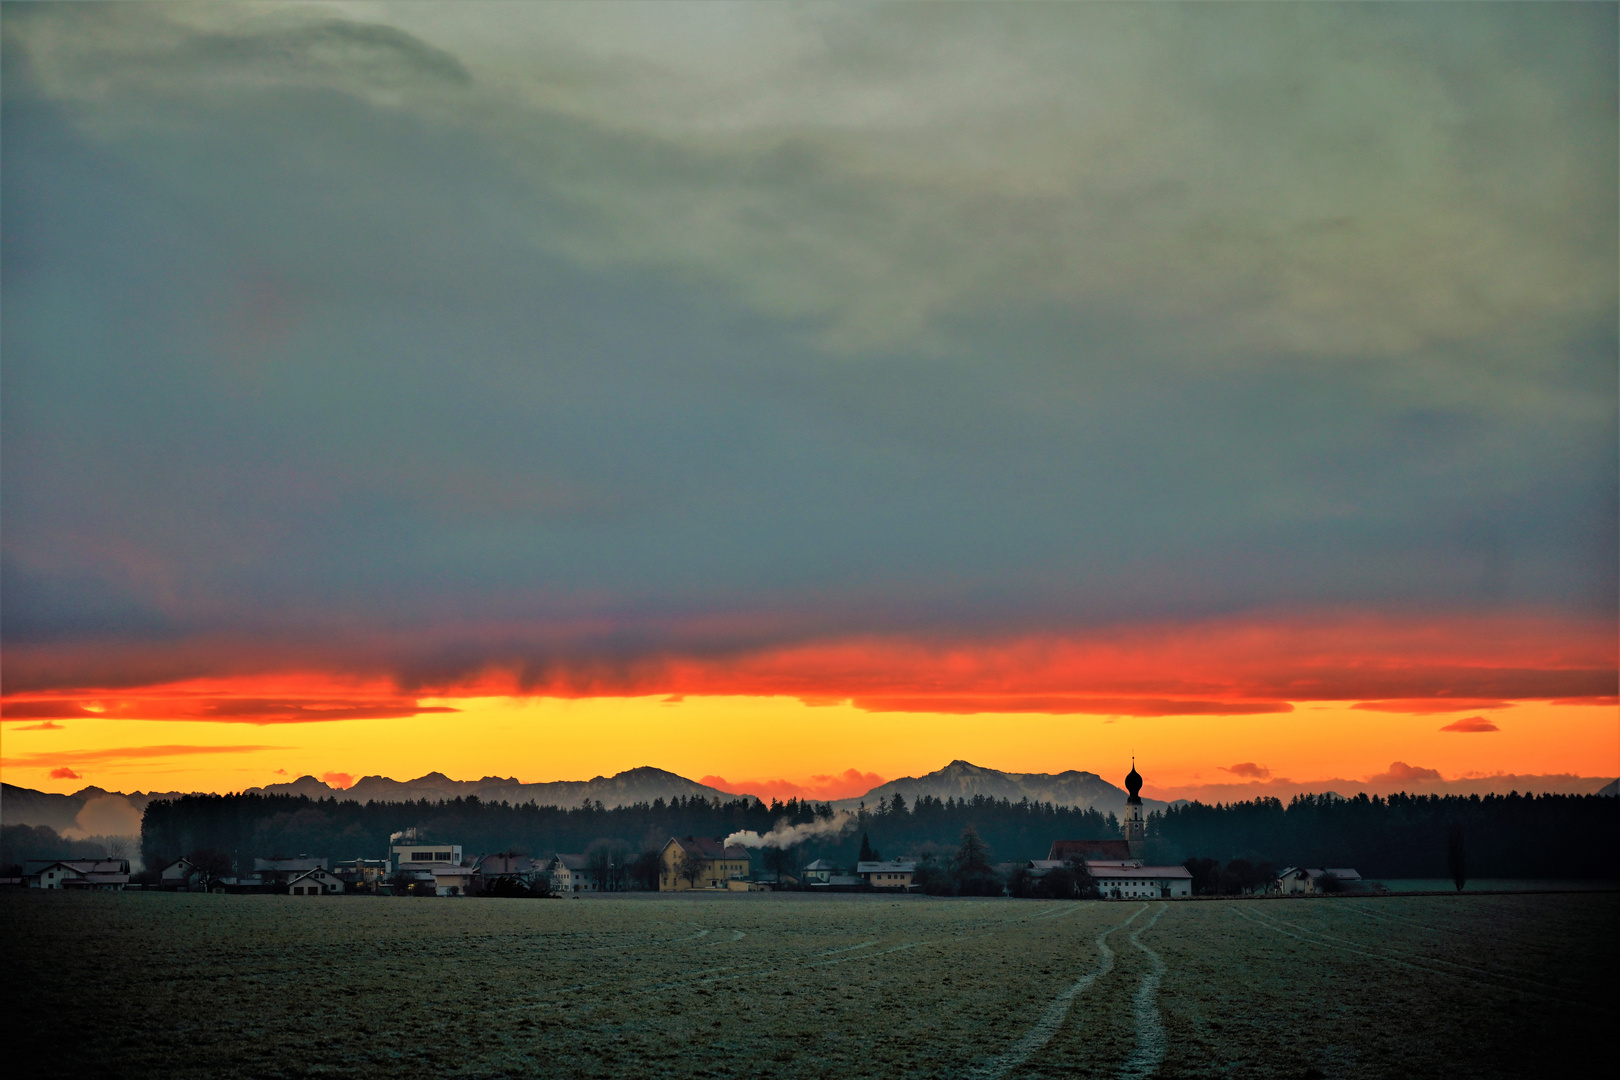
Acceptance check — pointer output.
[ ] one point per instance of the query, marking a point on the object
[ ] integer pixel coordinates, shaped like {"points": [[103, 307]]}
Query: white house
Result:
{"points": [[177, 875], [454, 880], [570, 874], [104, 875], [424, 856], [887, 875], [1300, 880], [315, 882], [1122, 880], [819, 872]]}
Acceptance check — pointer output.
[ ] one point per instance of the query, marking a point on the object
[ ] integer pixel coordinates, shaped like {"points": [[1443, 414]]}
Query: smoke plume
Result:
{"points": [[786, 836]]}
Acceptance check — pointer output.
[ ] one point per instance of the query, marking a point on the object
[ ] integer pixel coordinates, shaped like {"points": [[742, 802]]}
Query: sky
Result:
{"points": [[801, 396]]}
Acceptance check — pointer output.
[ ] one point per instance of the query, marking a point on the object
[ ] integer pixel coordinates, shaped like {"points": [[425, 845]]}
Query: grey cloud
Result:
{"points": [[294, 353]]}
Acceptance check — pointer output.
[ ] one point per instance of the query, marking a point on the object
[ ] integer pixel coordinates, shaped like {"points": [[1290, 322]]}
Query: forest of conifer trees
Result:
{"points": [[1563, 836]]}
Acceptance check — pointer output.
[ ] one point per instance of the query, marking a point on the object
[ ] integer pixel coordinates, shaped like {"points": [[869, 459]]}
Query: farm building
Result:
{"points": [[316, 882], [1298, 880], [895, 874], [1128, 880], [699, 863], [98, 874]]}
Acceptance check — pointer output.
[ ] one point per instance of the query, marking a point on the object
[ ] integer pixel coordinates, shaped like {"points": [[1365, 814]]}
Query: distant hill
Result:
{"points": [[963, 780], [25, 806], [1611, 789], [644, 784]]}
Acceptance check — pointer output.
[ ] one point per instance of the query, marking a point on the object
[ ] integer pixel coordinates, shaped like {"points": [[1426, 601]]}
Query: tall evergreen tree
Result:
{"points": [[868, 852]]}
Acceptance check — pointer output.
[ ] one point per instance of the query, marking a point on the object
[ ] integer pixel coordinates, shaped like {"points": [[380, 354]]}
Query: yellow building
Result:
{"points": [[689, 862]]}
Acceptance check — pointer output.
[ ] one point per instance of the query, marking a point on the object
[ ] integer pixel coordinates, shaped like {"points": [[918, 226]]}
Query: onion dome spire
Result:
{"points": [[1133, 782]]}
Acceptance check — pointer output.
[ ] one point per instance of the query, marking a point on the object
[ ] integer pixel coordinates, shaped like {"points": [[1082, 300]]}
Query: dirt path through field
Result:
{"points": [[1058, 1011], [1150, 1041]]}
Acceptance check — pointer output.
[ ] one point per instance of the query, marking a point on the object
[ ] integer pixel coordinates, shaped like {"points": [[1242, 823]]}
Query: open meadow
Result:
{"points": [[185, 985]]}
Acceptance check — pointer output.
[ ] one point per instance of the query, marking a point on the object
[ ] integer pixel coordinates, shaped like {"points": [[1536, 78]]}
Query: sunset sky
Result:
{"points": [[805, 396]]}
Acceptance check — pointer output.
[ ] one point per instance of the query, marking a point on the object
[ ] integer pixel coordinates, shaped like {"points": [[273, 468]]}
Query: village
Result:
{"points": [[1111, 868]]}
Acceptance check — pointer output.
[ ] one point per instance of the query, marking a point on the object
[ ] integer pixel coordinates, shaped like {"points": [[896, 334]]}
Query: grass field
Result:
{"points": [[784, 985]]}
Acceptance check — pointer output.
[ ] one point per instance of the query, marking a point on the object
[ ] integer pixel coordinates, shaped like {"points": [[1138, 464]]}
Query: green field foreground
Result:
{"points": [[785, 985]]}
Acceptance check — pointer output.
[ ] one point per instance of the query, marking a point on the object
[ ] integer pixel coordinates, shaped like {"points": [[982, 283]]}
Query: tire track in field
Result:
{"points": [[1395, 954], [1150, 1040], [1540, 993], [1052, 1019]]}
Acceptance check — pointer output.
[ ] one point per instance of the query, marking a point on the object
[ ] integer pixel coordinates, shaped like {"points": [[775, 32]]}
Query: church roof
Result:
{"points": [[1090, 849]]}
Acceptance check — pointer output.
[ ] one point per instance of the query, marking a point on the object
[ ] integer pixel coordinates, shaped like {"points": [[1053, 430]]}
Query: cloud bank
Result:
{"points": [[924, 357]]}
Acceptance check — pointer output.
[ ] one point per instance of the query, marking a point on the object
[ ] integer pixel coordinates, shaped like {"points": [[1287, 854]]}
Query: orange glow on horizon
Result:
{"points": [[1223, 703], [540, 739]]}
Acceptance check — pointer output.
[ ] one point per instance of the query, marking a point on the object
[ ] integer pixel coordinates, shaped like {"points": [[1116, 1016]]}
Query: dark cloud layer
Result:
{"points": [[326, 345]]}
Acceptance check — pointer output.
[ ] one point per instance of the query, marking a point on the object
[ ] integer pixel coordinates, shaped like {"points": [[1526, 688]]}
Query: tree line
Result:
{"points": [[1399, 836], [1402, 836]]}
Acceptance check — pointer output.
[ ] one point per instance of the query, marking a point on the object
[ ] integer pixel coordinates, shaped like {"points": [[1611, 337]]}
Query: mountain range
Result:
{"points": [[963, 780], [958, 780], [96, 811], [643, 784]]}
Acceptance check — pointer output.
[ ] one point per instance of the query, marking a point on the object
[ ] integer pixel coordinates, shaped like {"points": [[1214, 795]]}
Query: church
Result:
{"points": [[1117, 864]]}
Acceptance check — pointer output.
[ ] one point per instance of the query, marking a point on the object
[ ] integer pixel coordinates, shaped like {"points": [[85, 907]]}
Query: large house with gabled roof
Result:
{"points": [[697, 862]]}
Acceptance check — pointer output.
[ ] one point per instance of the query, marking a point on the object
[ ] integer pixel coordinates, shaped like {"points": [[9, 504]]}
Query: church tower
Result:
{"points": [[1134, 826]]}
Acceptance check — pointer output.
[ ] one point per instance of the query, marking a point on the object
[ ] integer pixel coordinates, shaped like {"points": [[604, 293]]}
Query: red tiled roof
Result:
{"points": [[705, 848], [1090, 849]]}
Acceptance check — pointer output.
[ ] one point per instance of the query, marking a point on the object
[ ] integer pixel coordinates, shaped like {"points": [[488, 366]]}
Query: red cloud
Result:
{"points": [[65, 774], [223, 708], [1432, 705], [1249, 769], [337, 779], [1214, 667], [127, 753], [1471, 723], [1401, 773], [846, 785], [1051, 704]]}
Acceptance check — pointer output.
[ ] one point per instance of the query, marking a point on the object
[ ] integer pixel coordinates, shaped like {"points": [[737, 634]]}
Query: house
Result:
{"points": [[315, 882], [820, 872], [365, 874], [103, 875], [1298, 880], [510, 864], [699, 863], [278, 871], [455, 880], [571, 874], [421, 855], [513, 866], [177, 875], [1130, 880], [895, 874]]}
